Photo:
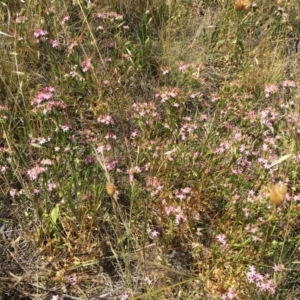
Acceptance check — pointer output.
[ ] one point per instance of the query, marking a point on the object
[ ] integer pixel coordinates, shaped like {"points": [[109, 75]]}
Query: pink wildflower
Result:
{"points": [[54, 43], [261, 281], [65, 128], [152, 233], [46, 162], [72, 280], [169, 209], [270, 89], [86, 65], [35, 171], [214, 97], [3, 169], [65, 19], [100, 15], [297, 197], [105, 120], [289, 83], [124, 297], [229, 295], [21, 19], [51, 186], [186, 190], [13, 193], [45, 94], [132, 171], [179, 216], [177, 212], [222, 240], [134, 134], [72, 43], [170, 153], [148, 280], [153, 185], [183, 68], [110, 136], [41, 35], [278, 268]]}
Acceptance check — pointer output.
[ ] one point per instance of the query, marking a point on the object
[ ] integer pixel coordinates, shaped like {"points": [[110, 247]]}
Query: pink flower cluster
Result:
{"points": [[183, 194], [72, 280], [107, 120], [3, 111], [54, 43], [166, 94], [86, 65], [21, 19], [132, 171], [270, 89], [3, 108], [65, 19], [231, 294], [183, 68], [153, 185], [74, 74], [273, 88], [34, 172], [289, 84], [262, 282], [152, 233], [177, 212], [110, 135], [45, 94], [109, 15], [187, 128], [40, 103], [221, 238], [41, 35], [146, 110]]}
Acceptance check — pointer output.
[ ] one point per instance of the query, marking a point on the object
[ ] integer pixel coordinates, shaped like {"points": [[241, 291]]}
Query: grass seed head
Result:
{"points": [[242, 4], [110, 188], [277, 193]]}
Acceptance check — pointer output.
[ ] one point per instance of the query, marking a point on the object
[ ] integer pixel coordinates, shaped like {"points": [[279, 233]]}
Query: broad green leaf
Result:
{"points": [[54, 214]]}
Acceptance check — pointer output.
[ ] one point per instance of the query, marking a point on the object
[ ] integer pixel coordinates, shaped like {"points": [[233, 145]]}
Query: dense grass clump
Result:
{"points": [[149, 150]]}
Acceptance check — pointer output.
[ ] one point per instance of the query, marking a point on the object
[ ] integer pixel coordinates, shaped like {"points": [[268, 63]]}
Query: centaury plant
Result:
{"points": [[149, 150]]}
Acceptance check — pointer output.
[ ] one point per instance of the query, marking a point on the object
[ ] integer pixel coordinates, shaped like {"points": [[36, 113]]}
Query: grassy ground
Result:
{"points": [[149, 149]]}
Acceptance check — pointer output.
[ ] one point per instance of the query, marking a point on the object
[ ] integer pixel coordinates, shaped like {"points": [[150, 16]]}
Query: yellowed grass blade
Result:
{"points": [[5, 34], [280, 160]]}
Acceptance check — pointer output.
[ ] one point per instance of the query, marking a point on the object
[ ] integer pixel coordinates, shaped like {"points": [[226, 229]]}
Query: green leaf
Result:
{"points": [[54, 214]]}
